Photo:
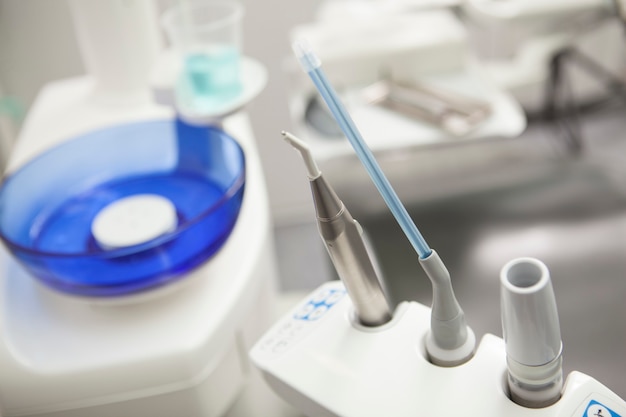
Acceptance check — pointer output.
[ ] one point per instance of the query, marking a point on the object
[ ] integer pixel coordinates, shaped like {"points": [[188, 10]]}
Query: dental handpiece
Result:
{"points": [[342, 236], [532, 334], [450, 342]]}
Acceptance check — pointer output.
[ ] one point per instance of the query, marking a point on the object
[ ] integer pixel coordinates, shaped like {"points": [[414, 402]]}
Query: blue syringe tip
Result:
{"points": [[305, 55]]}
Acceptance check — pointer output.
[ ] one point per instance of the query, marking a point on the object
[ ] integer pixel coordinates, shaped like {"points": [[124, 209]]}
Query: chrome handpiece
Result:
{"points": [[342, 236], [532, 334]]}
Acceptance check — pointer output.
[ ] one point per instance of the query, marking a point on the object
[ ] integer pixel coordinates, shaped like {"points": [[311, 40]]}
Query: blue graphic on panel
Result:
{"points": [[319, 305], [596, 409]]}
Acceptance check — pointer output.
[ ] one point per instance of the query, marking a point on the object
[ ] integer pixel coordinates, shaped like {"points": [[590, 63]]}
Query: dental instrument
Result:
{"points": [[343, 239], [450, 342], [532, 334], [455, 113], [324, 365]]}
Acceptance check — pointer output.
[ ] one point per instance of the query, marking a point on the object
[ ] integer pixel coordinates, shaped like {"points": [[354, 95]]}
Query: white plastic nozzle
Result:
{"points": [[311, 167], [530, 323], [305, 55]]}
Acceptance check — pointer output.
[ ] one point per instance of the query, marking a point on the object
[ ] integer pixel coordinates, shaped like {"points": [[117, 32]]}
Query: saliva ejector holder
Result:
{"points": [[532, 334]]}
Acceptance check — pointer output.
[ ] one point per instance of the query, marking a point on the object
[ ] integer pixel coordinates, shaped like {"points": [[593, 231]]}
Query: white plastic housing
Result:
{"points": [[516, 11], [119, 41], [324, 364]]}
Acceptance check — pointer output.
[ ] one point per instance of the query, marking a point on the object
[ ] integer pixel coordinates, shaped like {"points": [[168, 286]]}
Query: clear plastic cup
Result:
{"points": [[206, 36]]}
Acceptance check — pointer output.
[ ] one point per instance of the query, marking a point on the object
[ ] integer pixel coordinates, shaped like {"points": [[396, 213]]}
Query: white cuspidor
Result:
{"points": [[532, 334], [176, 351], [322, 362]]}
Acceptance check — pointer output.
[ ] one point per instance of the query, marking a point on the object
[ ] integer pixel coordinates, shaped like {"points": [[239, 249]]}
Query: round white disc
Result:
{"points": [[133, 220]]}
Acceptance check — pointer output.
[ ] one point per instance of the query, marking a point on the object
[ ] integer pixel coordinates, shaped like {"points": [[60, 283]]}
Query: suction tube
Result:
{"points": [[530, 323]]}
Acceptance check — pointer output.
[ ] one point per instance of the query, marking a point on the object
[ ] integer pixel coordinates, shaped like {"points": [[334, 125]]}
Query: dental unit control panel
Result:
{"points": [[343, 352], [326, 364]]}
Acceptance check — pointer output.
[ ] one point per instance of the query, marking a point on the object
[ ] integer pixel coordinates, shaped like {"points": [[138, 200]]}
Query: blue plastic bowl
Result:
{"points": [[47, 206]]}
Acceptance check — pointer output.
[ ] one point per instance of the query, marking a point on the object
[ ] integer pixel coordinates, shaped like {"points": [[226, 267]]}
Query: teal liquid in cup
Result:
{"points": [[210, 79]]}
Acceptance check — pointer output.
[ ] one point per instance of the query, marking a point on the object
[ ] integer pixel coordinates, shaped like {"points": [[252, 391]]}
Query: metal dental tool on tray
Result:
{"points": [[454, 113]]}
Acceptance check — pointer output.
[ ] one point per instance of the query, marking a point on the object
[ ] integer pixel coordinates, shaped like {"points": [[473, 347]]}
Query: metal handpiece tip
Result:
{"points": [[301, 146]]}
